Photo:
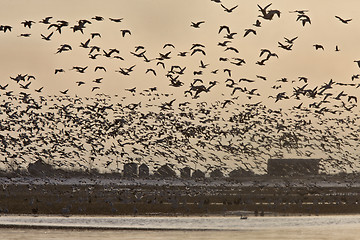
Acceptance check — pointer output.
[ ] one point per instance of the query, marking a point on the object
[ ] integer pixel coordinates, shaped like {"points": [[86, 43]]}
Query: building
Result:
{"points": [[144, 171], [185, 172], [217, 173], [239, 173], [130, 170], [165, 171], [198, 174], [40, 168], [293, 167]]}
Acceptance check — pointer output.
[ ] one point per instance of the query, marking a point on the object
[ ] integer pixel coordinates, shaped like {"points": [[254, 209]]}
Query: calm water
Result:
{"points": [[89, 228]]}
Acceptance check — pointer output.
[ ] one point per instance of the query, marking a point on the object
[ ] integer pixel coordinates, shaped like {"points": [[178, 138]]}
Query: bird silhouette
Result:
{"points": [[124, 32], [196, 24], [196, 50], [98, 18], [117, 20], [27, 23], [224, 27], [228, 10], [343, 20], [46, 20], [318, 46], [47, 38], [290, 41], [304, 19]]}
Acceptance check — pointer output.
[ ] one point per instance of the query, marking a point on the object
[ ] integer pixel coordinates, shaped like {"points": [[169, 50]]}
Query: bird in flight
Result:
{"points": [[304, 19], [290, 41], [268, 15], [47, 38], [64, 48], [318, 46], [100, 68], [224, 27], [198, 50], [117, 20], [27, 23], [65, 91], [257, 23], [98, 18], [46, 20], [247, 31], [346, 21], [228, 10], [196, 24], [358, 62], [4, 28], [60, 70], [125, 31]]}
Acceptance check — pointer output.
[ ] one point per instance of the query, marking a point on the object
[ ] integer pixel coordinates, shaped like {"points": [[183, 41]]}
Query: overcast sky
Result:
{"points": [[155, 23]]}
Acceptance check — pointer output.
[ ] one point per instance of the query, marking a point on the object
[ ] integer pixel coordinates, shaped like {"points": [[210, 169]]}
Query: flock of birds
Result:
{"points": [[154, 126]]}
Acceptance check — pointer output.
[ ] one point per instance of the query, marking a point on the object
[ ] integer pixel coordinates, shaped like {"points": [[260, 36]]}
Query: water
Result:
{"points": [[89, 228]]}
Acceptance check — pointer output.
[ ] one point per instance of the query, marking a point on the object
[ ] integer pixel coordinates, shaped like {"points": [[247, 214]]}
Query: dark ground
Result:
{"points": [[258, 196]]}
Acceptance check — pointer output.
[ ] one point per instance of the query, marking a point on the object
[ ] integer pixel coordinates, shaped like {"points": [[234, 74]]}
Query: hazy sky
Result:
{"points": [[155, 23]]}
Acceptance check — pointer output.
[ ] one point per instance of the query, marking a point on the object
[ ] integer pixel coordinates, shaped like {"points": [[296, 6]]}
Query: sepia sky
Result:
{"points": [[156, 23]]}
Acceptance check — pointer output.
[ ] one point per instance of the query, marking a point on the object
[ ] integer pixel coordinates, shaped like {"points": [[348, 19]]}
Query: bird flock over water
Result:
{"points": [[243, 128]]}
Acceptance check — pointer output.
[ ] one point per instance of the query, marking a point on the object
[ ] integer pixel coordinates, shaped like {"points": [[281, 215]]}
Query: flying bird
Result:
{"points": [[198, 50], [98, 18], [117, 20], [318, 46], [343, 20], [46, 20], [59, 70], [95, 35], [257, 23], [304, 19], [228, 10], [248, 31], [100, 68], [27, 23], [168, 45], [79, 83], [124, 32], [196, 24], [47, 38], [151, 70], [224, 27], [358, 62], [64, 48], [290, 41], [268, 14]]}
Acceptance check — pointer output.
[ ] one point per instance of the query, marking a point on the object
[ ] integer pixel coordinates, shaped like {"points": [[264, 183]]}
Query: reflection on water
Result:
{"points": [[338, 233], [324, 227]]}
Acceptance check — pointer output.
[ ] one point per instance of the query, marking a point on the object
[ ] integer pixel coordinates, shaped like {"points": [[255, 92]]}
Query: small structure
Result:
{"points": [[216, 174], [293, 167], [144, 171], [198, 174], [40, 168], [165, 171], [240, 172], [185, 172], [130, 170]]}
